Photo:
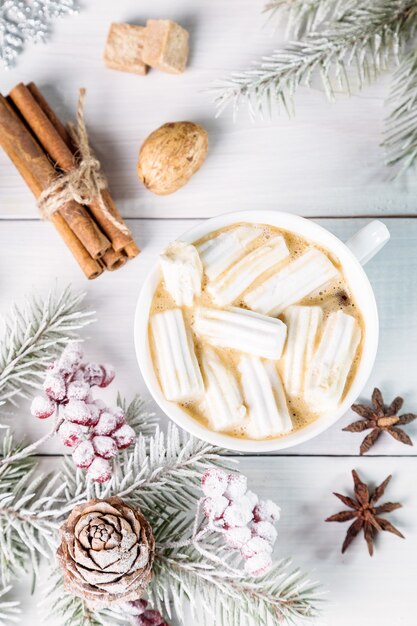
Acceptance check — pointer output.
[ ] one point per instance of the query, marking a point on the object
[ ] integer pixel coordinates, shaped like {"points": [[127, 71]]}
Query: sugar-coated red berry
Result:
{"points": [[99, 470], [214, 482], [78, 390], [83, 454], [154, 618], [104, 446], [77, 411], [137, 607], [42, 407], [106, 424], [70, 358], [237, 485], [119, 414], [124, 436], [266, 530], [71, 434], [94, 373], [94, 414], [78, 374], [109, 374], [218, 508], [238, 536], [100, 404], [256, 545], [266, 511], [55, 387], [237, 514], [258, 564]]}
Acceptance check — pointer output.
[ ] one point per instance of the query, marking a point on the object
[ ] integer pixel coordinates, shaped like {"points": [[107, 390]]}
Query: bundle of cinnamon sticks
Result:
{"points": [[41, 148]]}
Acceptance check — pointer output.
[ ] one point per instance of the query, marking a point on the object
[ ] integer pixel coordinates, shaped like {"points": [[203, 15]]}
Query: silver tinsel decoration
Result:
{"points": [[27, 20]]}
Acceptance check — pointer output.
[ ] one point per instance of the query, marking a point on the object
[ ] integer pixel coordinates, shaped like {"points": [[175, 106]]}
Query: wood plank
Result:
{"points": [[358, 589], [39, 260], [332, 148]]}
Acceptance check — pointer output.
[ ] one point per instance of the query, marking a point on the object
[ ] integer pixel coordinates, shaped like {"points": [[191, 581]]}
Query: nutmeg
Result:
{"points": [[171, 155]]}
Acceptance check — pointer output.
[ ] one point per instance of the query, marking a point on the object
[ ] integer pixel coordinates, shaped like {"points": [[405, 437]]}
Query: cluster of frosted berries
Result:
{"points": [[94, 431], [140, 615], [247, 524]]}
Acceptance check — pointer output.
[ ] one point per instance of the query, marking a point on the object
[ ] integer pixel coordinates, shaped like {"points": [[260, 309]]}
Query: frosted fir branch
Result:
{"points": [[361, 43], [143, 421], [159, 472], [9, 609], [12, 472], [67, 609], [33, 335], [215, 598], [303, 16], [400, 137], [28, 450], [32, 506]]}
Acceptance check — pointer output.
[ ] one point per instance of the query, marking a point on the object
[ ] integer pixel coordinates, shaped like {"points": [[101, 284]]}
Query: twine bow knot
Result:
{"points": [[85, 182]]}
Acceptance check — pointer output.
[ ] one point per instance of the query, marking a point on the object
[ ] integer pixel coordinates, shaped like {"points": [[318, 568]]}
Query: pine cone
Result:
{"points": [[106, 552]]}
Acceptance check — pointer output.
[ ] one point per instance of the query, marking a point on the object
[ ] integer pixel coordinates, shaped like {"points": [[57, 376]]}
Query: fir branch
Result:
{"points": [[364, 40], [217, 598], [33, 336], [12, 472], [137, 415], [303, 16], [159, 473], [70, 610], [9, 610], [206, 573], [31, 510], [400, 140]]}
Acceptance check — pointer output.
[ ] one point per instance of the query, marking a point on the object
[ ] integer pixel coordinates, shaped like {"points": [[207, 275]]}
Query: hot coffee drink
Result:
{"points": [[254, 330]]}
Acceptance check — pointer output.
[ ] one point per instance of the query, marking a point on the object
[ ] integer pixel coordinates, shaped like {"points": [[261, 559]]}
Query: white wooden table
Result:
{"points": [[325, 163]]}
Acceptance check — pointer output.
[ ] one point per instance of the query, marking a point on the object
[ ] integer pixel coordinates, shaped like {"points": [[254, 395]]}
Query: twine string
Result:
{"points": [[85, 182]]}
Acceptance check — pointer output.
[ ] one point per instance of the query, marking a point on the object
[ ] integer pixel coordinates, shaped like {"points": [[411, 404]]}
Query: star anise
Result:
{"points": [[381, 418], [365, 513]]}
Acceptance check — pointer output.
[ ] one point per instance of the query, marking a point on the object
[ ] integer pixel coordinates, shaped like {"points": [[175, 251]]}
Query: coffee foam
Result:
{"points": [[334, 296]]}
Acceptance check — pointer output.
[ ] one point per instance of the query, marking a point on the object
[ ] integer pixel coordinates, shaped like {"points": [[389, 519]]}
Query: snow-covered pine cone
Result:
{"points": [[106, 552]]}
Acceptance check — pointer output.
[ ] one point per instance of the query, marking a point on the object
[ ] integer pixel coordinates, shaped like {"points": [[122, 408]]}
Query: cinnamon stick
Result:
{"points": [[75, 214], [112, 260], [91, 268], [38, 172], [50, 113], [55, 148], [132, 250]]}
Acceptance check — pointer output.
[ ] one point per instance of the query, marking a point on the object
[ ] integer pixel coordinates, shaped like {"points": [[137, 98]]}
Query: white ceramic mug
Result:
{"points": [[357, 251]]}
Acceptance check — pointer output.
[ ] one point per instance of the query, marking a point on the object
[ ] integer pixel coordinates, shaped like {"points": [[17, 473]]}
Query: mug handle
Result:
{"points": [[368, 241]]}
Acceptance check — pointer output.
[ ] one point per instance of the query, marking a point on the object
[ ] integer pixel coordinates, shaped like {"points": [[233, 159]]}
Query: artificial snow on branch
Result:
{"points": [[205, 570], [362, 42], [343, 45], [30, 510], [304, 16], [33, 505], [159, 471], [33, 335], [400, 139], [205, 538]]}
